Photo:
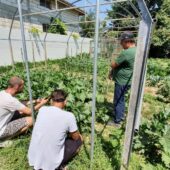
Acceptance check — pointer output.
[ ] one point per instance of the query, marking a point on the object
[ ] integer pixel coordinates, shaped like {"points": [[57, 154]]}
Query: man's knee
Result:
{"points": [[29, 121]]}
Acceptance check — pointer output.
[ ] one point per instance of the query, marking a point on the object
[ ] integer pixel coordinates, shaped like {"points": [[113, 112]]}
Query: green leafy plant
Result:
{"points": [[57, 27], [79, 89], [76, 36], [34, 30], [153, 139], [164, 90]]}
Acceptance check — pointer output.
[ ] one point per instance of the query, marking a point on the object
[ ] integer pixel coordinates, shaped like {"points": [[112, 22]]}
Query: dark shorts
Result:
{"points": [[14, 126], [71, 148]]}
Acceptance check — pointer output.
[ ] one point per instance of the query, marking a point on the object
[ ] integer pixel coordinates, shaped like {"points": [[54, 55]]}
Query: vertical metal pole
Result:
{"points": [[11, 52], [9, 37], [139, 72], [45, 53], [94, 83], [138, 115], [25, 57]]}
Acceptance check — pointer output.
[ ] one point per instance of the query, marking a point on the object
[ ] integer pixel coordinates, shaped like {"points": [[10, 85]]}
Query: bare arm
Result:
{"points": [[76, 135], [27, 110]]}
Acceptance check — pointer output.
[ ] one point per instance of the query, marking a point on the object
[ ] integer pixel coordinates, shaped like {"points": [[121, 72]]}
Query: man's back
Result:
{"points": [[47, 144], [8, 105]]}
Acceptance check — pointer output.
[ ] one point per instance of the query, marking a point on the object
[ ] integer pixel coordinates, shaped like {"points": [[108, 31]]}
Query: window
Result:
{"points": [[47, 3], [45, 27]]}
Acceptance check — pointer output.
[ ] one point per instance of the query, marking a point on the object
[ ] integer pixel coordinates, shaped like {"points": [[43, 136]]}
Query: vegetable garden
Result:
{"points": [[107, 147], [74, 74]]}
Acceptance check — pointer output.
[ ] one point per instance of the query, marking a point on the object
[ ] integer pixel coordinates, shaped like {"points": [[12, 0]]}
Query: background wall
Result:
{"points": [[57, 46]]}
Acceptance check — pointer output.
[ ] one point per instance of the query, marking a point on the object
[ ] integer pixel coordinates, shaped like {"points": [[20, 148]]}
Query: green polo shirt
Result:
{"points": [[122, 74]]}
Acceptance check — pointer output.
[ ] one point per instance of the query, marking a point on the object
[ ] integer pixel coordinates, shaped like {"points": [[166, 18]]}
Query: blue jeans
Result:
{"points": [[119, 101]]}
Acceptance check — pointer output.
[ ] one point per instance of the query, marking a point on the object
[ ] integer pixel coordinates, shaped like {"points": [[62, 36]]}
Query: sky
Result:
{"points": [[89, 2]]}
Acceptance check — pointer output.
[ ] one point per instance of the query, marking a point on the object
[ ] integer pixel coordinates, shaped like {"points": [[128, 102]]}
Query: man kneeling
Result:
{"points": [[15, 117], [55, 138]]}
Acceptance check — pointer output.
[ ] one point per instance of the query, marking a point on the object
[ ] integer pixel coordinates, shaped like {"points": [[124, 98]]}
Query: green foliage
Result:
{"points": [[153, 139], [164, 90], [15, 157], [88, 28], [57, 27], [34, 31], [112, 34], [158, 67], [79, 89], [161, 36], [74, 74], [75, 36], [157, 70], [159, 10]]}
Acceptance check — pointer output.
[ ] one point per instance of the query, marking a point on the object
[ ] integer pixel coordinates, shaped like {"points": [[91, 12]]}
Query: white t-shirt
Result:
{"points": [[8, 105], [46, 150]]}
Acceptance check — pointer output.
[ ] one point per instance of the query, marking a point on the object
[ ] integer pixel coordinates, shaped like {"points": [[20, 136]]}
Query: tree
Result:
{"points": [[160, 11], [87, 29], [57, 26], [160, 46]]}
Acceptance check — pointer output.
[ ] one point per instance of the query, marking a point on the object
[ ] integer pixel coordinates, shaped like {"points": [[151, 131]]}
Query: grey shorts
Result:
{"points": [[13, 128]]}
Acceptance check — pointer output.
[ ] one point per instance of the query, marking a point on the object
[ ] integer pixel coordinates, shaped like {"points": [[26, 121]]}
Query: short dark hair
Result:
{"points": [[13, 81], [58, 95]]}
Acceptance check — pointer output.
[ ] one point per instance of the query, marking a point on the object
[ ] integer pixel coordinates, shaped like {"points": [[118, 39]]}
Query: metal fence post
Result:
{"points": [[143, 46], [94, 83], [25, 57]]}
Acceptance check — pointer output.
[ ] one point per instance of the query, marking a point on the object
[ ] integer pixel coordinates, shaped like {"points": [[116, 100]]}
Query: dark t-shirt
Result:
{"points": [[122, 75]]}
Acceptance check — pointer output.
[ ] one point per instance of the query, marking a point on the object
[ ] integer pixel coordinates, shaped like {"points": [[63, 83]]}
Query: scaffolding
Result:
{"points": [[142, 20]]}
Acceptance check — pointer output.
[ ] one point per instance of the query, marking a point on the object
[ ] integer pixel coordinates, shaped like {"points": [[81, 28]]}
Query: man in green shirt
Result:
{"points": [[121, 73]]}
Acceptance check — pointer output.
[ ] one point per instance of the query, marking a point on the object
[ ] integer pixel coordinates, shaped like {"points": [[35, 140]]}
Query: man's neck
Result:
{"points": [[59, 105], [10, 91]]}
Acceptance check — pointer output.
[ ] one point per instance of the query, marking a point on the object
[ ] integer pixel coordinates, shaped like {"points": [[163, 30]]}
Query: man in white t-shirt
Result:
{"points": [[55, 138], [15, 117]]}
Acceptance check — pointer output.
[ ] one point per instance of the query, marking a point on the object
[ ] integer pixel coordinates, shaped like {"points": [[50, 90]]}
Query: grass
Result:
{"points": [[106, 152]]}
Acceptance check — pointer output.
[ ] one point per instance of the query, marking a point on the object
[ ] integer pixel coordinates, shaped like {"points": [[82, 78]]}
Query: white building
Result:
{"points": [[9, 7]]}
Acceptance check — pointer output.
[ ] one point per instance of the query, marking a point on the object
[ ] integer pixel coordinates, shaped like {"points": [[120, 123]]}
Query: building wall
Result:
{"points": [[8, 8], [57, 46]]}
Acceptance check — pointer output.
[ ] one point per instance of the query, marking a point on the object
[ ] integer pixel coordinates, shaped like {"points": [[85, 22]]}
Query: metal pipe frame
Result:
{"points": [[134, 8], [96, 39], [138, 77], [80, 22], [67, 50], [144, 38], [25, 58], [70, 8]]}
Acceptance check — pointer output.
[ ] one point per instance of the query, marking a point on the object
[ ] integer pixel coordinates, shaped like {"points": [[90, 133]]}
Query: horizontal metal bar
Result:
{"points": [[118, 19], [71, 8]]}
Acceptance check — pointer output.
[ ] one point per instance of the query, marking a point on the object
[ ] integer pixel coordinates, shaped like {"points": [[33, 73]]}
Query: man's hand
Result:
{"points": [[114, 65], [41, 102]]}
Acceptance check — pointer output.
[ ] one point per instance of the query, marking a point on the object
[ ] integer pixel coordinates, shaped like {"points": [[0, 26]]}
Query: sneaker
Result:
{"points": [[6, 144], [123, 118], [113, 123]]}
